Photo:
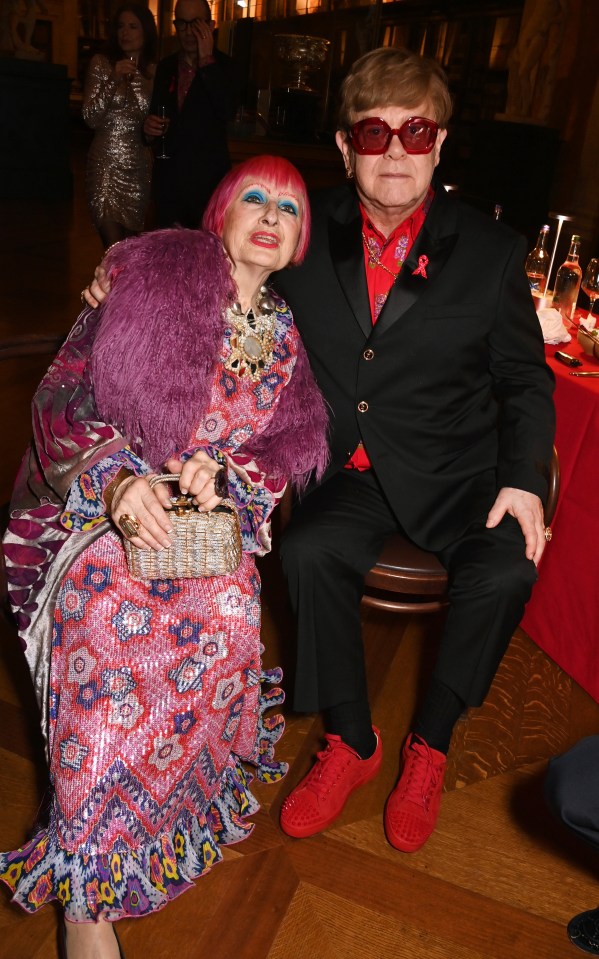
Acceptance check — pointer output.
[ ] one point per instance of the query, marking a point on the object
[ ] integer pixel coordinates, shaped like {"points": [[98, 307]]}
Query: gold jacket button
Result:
{"points": [[362, 406], [368, 354]]}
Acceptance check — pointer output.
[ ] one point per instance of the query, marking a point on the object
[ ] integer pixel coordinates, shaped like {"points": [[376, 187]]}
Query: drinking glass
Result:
{"points": [[590, 286], [163, 155]]}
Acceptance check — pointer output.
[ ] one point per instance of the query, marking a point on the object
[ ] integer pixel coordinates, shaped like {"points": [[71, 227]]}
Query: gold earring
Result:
{"points": [[349, 173]]}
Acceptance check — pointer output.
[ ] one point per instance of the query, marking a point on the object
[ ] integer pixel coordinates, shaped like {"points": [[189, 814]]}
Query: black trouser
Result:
{"points": [[572, 788], [335, 537]]}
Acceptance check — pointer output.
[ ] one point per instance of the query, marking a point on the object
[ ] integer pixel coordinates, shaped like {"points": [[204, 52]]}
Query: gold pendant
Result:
{"points": [[252, 343]]}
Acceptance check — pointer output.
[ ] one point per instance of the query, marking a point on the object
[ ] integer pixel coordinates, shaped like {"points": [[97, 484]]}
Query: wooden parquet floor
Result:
{"points": [[499, 879]]}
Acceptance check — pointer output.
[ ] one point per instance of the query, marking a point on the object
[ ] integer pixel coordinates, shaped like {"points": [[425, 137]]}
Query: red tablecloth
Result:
{"points": [[563, 615]]}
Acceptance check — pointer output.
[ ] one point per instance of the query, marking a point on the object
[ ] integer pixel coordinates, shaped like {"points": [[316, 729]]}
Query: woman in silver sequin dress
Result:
{"points": [[116, 100]]}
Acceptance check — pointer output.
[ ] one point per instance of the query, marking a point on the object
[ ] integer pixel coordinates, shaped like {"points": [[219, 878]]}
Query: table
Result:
{"points": [[562, 616]]}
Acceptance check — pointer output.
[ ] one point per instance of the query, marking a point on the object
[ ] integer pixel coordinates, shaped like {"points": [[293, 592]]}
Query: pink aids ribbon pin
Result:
{"points": [[421, 268]]}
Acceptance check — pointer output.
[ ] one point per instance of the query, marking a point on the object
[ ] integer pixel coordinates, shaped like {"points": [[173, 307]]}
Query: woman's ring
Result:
{"points": [[82, 297], [221, 484], [548, 533], [130, 525]]}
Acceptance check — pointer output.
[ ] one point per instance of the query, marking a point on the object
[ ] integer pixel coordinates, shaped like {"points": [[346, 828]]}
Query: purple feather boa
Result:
{"points": [[158, 341], [160, 336]]}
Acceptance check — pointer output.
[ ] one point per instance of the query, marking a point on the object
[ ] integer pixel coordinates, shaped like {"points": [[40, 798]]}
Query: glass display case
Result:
{"points": [[298, 85]]}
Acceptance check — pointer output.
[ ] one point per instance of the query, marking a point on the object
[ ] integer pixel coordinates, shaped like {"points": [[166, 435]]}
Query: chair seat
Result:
{"points": [[405, 570]]}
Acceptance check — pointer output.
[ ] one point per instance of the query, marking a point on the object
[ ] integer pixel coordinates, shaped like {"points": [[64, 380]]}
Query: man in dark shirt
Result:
{"points": [[196, 90]]}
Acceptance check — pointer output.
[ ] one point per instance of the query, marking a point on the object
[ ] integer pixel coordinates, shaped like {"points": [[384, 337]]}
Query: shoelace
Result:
{"points": [[331, 763], [423, 776]]}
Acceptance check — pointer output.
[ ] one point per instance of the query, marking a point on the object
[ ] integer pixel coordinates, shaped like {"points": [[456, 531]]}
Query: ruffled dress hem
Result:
{"points": [[129, 883]]}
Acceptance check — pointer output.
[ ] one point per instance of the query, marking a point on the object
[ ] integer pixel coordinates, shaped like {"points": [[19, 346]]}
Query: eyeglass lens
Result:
{"points": [[373, 135]]}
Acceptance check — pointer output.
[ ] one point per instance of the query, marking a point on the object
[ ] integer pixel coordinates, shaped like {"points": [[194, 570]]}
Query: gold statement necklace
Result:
{"points": [[374, 259], [252, 337]]}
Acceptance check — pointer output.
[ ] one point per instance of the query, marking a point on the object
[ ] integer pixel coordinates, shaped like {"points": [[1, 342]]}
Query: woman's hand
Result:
{"points": [[196, 478], [124, 69], [135, 500]]}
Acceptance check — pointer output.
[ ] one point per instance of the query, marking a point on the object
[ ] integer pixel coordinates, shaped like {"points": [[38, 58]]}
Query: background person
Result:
{"points": [[116, 101], [196, 88], [572, 791], [151, 690]]}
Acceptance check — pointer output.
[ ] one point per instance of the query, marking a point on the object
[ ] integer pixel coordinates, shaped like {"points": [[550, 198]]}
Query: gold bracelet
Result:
{"points": [[109, 492]]}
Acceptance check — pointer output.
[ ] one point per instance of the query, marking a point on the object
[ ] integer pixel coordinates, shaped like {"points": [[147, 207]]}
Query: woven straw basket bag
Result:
{"points": [[203, 544]]}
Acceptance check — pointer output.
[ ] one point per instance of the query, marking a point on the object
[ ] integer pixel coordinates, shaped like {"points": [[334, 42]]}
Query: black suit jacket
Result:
{"points": [[453, 374], [196, 142]]}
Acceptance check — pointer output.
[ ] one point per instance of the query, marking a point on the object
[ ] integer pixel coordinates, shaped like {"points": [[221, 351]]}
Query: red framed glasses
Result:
{"points": [[373, 135]]}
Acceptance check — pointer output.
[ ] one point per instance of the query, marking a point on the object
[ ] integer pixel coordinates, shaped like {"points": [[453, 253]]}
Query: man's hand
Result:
{"points": [[528, 510], [155, 126], [204, 39], [99, 288]]}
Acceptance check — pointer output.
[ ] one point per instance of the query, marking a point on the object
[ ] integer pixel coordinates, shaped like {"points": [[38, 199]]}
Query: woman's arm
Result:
{"points": [[101, 85], [68, 434]]}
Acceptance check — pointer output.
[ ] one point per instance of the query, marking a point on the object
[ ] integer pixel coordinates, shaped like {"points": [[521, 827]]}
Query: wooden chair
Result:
{"points": [[29, 356], [407, 579]]}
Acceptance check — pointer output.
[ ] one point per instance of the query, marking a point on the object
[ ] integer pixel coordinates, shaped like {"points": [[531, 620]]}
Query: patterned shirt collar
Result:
{"points": [[390, 252]]}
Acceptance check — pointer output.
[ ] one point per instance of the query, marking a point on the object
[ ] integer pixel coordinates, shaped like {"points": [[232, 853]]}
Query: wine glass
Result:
{"points": [[163, 155], [590, 286]]}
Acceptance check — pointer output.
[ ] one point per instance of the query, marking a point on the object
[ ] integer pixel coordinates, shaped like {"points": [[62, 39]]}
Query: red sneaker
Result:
{"points": [[413, 806], [320, 797]]}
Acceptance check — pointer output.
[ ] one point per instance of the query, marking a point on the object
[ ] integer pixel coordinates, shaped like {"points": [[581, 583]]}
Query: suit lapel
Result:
{"points": [[435, 241], [347, 254]]}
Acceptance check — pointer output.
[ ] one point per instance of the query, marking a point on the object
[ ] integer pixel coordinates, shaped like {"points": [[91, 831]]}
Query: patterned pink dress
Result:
{"points": [[155, 695]]}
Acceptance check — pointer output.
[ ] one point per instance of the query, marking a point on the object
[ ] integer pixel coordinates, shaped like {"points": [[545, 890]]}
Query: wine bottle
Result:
{"points": [[567, 281], [537, 264]]}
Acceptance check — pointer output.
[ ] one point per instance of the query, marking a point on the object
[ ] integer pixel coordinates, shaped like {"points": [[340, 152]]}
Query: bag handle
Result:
{"points": [[183, 503], [163, 478]]}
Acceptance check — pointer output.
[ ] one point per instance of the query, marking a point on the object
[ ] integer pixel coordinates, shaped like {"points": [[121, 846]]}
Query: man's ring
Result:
{"points": [[130, 525], [548, 533], [82, 297]]}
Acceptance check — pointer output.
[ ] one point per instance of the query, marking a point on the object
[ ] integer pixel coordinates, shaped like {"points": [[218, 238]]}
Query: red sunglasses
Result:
{"points": [[373, 135]]}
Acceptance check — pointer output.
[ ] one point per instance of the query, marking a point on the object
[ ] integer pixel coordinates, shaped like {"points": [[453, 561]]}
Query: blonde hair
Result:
{"points": [[390, 76]]}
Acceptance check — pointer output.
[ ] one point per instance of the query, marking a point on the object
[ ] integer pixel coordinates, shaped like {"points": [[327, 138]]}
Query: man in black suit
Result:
{"points": [[418, 320], [196, 88]]}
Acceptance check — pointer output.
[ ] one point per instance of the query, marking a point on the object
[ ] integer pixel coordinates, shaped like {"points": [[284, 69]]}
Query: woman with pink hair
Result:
{"points": [[150, 690]]}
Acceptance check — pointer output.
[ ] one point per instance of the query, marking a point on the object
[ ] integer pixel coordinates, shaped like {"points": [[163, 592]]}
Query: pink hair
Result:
{"points": [[275, 170]]}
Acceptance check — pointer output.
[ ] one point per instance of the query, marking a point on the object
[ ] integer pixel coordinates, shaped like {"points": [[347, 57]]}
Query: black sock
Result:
{"points": [[353, 724], [438, 715]]}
